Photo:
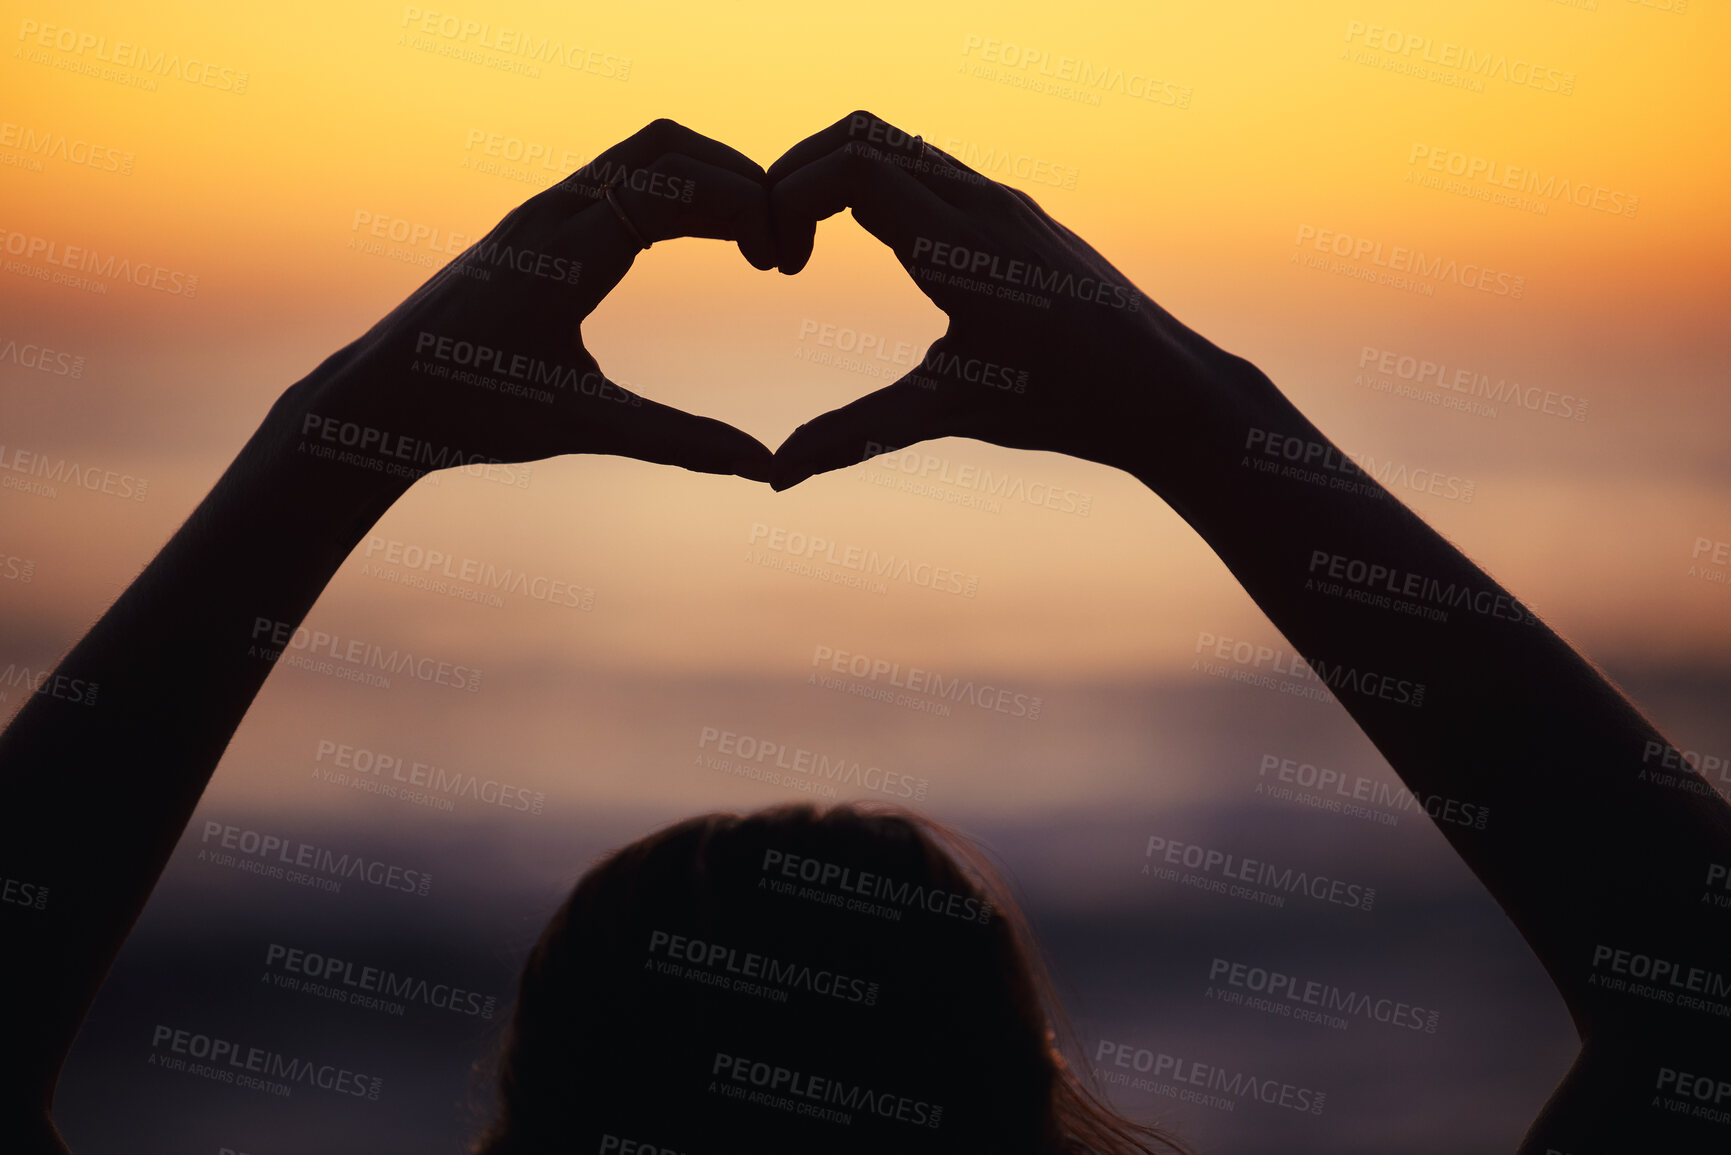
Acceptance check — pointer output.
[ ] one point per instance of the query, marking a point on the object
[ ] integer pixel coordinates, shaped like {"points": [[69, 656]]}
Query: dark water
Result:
{"points": [[1133, 956]]}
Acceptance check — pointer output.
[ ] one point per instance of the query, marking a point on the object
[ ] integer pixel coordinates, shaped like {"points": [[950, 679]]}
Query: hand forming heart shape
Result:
{"points": [[1049, 346]]}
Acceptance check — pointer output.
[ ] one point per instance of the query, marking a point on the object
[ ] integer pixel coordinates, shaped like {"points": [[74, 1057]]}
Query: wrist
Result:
{"points": [[333, 447], [1205, 406], [311, 477]]}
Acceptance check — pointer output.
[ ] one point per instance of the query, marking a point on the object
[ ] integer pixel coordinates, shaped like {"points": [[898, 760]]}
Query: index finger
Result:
{"points": [[887, 202], [651, 142], [677, 196], [856, 127]]}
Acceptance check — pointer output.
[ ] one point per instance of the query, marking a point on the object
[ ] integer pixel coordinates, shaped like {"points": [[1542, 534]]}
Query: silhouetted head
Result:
{"points": [[851, 979]]}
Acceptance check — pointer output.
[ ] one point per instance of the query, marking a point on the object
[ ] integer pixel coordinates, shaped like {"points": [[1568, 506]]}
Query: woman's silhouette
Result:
{"points": [[1596, 854], [916, 1001]]}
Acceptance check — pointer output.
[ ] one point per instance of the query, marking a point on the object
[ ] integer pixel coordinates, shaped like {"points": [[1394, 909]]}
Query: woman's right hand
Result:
{"points": [[1049, 346], [486, 359]]}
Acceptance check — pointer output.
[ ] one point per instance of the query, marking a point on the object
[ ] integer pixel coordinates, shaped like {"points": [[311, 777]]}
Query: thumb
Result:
{"points": [[650, 431], [895, 416]]}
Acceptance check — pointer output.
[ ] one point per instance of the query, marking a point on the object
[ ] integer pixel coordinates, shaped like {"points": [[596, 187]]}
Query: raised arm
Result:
{"points": [[1597, 840], [102, 768]]}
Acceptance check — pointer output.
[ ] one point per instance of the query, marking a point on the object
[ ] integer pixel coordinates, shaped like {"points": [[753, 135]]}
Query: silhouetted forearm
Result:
{"points": [[98, 792], [1488, 707]]}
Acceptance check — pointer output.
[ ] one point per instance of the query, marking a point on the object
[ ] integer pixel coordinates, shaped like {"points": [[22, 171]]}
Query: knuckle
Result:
{"points": [[663, 131], [1011, 199], [860, 121]]}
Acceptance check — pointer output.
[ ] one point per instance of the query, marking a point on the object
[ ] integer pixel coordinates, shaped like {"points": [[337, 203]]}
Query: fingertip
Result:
{"points": [[758, 242], [746, 456], [781, 482], [759, 254], [795, 234], [785, 472], [795, 251], [756, 466]]}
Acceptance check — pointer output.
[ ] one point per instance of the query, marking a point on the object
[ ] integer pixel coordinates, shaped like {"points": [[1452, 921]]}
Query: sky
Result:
{"points": [[640, 656]]}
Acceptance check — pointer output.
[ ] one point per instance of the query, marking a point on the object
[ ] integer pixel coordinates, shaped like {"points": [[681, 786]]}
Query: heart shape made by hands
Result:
{"points": [[1048, 346]]}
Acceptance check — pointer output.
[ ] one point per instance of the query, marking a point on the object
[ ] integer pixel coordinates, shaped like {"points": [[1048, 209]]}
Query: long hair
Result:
{"points": [[849, 979]]}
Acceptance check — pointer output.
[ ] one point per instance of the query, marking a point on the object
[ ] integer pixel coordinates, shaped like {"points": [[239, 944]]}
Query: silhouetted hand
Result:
{"points": [[487, 357], [1049, 346]]}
